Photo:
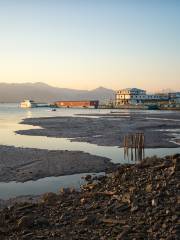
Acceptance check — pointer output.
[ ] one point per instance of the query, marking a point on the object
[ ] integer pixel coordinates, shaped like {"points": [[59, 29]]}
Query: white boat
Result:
{"points": [[28, 104]]}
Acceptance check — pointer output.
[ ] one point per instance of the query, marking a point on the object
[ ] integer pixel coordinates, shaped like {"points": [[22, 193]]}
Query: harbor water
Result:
{"points": [[11, 116]]}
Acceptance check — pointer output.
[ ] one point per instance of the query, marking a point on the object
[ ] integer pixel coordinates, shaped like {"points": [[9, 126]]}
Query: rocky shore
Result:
{"points": [[160, 130], [134, 202]]}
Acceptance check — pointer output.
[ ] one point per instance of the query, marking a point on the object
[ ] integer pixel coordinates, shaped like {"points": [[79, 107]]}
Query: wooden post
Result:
{"points": [[136, 142]]}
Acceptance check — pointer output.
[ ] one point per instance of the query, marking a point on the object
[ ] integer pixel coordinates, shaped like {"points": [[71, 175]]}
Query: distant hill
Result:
{"points": [[41, 92]]}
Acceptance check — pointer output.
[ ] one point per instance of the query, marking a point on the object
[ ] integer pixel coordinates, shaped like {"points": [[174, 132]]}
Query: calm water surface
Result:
{"points": [[11, 115]]}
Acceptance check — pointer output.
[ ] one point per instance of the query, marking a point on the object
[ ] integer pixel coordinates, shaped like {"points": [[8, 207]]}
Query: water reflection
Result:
{"points": [[134, 154]]}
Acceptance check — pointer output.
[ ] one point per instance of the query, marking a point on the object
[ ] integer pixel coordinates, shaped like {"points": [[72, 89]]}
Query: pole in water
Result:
{"points": [[136, 143]]}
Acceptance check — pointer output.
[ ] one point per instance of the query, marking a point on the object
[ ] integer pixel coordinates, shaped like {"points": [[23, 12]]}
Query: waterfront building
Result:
{"points": [[133, 96]]}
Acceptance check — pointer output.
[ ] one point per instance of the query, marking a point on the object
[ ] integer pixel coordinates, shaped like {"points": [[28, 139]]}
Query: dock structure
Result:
{"points": [[134, 146]]}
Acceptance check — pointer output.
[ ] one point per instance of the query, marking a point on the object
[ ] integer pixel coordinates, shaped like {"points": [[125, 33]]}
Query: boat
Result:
{"points": [[28, 104]]}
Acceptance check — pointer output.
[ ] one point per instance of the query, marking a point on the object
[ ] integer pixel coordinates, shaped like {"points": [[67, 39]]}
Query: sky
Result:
{"points": [[84, 44]]}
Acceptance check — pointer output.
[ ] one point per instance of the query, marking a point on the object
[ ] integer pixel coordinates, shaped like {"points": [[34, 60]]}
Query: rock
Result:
{"points": [[113, 221], [89, 186], [42, 221], [49, 198], [137, 202], [82, 200], [176, 156], [126, 198], [149, 188], [154, 202], [88, 178], [27, 236], [3, 230], [25, 207], [63, 191], [91, 219], [123, 207], [123, 235], [134, 208], [25, 222]]}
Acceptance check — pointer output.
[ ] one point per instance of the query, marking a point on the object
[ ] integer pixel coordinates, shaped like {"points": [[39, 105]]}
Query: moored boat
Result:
{"points": [[28, 104]]}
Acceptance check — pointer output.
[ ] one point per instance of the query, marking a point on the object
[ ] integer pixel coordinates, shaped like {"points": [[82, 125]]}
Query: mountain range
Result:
{"points": [[41, 92]]}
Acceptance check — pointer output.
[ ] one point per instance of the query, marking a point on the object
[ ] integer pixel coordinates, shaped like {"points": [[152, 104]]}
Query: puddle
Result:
{"points": [[48, 184]]}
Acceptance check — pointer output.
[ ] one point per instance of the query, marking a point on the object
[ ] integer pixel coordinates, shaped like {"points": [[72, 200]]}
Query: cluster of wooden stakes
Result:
{"points": [[134, 146]]}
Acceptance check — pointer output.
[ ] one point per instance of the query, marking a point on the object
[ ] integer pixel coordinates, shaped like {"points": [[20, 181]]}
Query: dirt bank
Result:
{"points": [[135, 202], [109, 129], [23, 164]]}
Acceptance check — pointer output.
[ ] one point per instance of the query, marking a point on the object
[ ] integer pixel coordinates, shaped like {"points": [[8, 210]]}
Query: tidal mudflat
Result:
{"points": [[160, 130], [24, 164]]}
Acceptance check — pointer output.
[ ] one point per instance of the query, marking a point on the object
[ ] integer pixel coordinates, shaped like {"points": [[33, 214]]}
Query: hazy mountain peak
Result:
{"points": [[41, 84], [99, 88], [43, 92], [102, 89]]}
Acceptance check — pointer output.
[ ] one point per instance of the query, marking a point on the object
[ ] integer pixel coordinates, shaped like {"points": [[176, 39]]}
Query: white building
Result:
{"points": [[133, 96]]}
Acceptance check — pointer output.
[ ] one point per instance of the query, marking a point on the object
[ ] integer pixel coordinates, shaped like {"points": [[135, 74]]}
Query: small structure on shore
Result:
{"points": [[134, 146]]}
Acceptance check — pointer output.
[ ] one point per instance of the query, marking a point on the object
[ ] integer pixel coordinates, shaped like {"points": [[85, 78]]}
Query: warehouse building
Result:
{"points": [[77, 104]]}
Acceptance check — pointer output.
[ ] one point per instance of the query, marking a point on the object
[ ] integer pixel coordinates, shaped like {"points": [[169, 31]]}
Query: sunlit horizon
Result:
{"points": [[87, 44]]}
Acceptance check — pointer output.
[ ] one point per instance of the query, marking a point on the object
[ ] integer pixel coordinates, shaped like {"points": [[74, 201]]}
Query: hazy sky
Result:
{"points": [[89, 43]]}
